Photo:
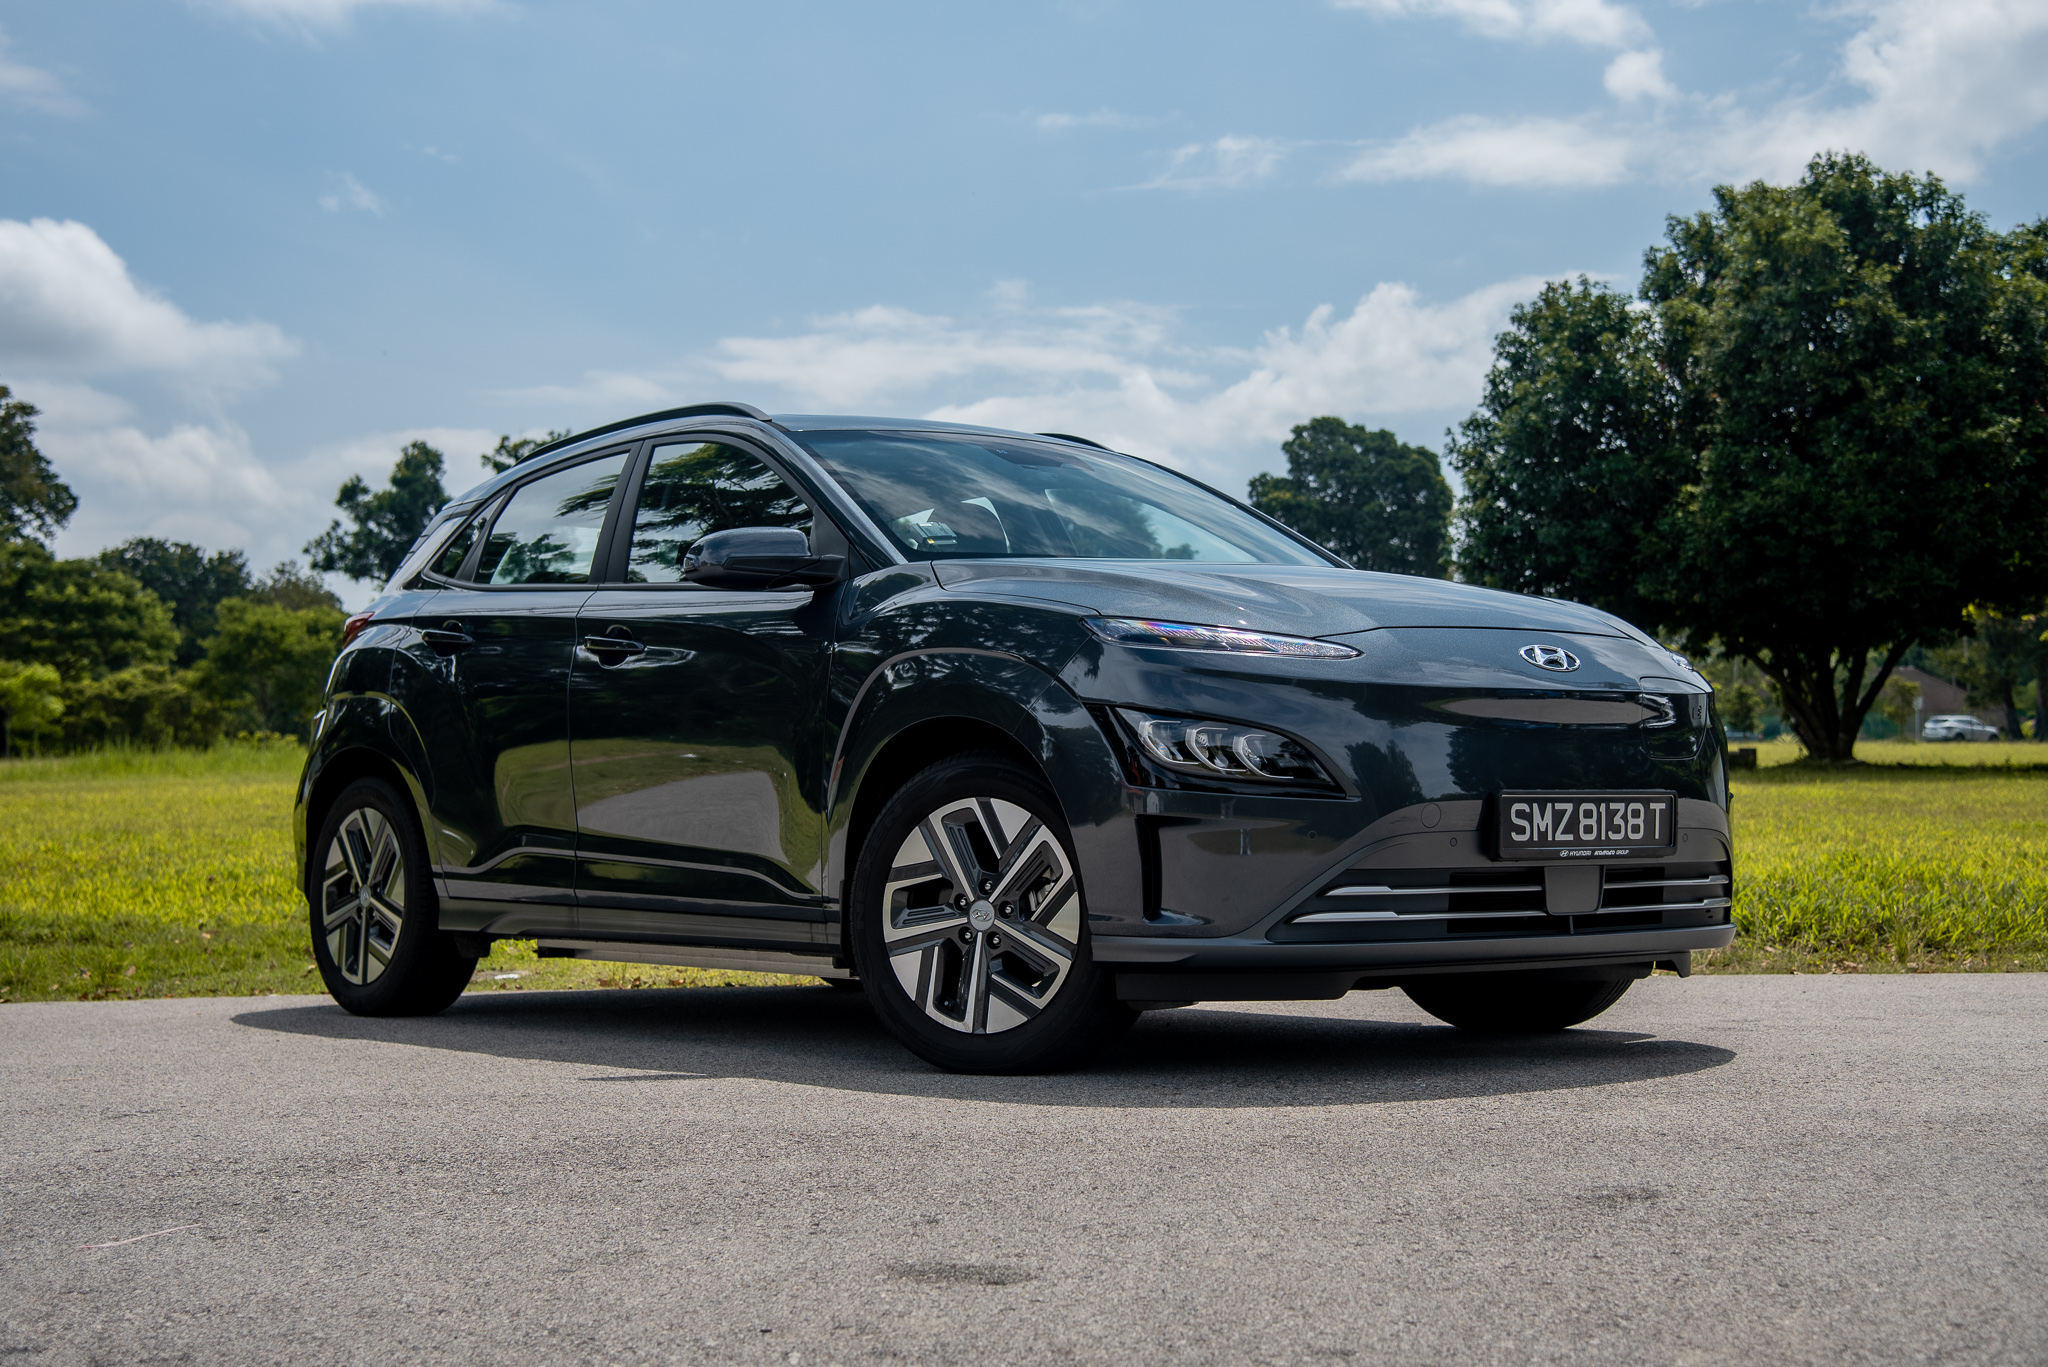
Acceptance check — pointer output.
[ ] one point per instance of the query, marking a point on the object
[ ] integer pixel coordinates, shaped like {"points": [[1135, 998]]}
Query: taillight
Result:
{"points": [[353, 627]]}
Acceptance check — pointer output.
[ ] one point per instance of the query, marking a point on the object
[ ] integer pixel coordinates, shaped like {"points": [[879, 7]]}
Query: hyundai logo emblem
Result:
{"points": [[1550, 657]]}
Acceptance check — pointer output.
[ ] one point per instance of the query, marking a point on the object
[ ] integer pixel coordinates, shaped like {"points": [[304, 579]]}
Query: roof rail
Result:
{"points": [[1068, 436], [694, 410]]}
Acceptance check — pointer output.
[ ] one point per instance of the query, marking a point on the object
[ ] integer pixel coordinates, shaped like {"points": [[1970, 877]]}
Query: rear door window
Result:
{"points": [[548, 531]]}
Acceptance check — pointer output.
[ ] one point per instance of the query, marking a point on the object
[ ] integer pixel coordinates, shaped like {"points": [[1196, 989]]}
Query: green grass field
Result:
{"points": [[150, 875]]}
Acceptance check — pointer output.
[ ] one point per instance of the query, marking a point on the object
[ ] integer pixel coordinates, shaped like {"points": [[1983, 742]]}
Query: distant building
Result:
{"points": [[1938, 696]]}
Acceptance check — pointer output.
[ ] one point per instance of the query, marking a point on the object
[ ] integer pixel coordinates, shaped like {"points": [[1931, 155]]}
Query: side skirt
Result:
{"points": [[694, 956]]}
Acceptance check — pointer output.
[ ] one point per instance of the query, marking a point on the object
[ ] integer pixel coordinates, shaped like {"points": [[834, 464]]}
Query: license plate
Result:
{"points": [[1585, 825]]}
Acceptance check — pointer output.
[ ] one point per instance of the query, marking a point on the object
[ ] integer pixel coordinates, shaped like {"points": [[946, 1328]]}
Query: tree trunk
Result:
{"points": [[1825, 720], [2041, 701], [2012, 715]]}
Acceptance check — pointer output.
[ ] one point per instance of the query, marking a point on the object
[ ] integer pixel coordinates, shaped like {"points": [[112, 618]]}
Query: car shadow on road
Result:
{"points": [[1205, 1057]]}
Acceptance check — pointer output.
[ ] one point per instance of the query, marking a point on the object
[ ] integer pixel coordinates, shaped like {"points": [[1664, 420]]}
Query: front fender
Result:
{"points": [[1017, 697]]}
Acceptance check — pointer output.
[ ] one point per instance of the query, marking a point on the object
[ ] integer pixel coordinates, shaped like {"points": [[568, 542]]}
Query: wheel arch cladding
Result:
{"points": [[921, 709], [340, 769]]}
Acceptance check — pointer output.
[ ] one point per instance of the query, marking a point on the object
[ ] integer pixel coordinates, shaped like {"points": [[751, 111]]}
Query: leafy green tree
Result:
{"points": [[1996, 660], [33, 501], [1379, 503], [1835, 399], [31, 700], [147, 705], [1868, 467], [1895, 702], [77, 615], [190, 582], [1572, 464], [386, 522], [511, 450], [290, 586], [269, 663]]}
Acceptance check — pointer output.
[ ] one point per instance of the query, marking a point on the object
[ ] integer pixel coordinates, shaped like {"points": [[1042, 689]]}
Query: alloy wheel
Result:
{"points": [[363, 895], [981, 915]]}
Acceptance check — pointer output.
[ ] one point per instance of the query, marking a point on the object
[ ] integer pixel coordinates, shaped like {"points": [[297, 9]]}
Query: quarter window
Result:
{"points": [[693, 490], [449, 563], [548, 531]]}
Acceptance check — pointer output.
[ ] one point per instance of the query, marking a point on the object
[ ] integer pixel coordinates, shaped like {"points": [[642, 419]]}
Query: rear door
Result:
{"points": [[695, 713], [486, 688]]}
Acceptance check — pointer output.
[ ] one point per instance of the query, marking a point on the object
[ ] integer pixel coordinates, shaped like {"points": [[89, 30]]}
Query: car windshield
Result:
{"points": [[956, 495]]}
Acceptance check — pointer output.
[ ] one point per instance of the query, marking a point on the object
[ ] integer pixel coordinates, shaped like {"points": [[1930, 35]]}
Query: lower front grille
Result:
{"points": [[1410, 904]]}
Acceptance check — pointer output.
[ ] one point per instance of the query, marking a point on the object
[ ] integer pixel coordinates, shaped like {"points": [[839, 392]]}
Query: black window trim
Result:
{"points": [[487, 518]]}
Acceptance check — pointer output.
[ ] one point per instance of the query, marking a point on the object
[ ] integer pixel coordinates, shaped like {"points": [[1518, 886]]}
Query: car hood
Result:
{"points": [[1298, 600]]}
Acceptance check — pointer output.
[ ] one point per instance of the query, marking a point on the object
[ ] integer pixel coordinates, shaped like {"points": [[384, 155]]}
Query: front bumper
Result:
{"points": [[1244, 968]]}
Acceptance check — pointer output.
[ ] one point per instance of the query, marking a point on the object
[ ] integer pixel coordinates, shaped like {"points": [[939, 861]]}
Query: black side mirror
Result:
{"points": [[760, 558]]}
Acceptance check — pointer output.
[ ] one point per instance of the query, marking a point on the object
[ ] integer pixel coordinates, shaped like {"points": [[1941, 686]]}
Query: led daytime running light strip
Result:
{"points": [[1135, 631]]}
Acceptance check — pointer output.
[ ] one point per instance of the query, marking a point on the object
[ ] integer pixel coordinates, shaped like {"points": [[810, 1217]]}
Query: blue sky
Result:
{"points": [[250, 247]]}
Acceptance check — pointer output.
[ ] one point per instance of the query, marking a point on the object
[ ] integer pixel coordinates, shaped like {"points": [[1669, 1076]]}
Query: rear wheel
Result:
{"points": [[1513, 1003], [969, 928], [375, 936]]}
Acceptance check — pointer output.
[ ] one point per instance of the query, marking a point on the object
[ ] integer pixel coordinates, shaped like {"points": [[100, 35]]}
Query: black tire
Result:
{"points": [[383, 954], [1513, 1003], [1006, 984]]}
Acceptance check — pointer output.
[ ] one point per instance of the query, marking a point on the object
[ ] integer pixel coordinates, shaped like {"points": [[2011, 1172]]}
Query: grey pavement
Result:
{"points": [[1721, 1170]]}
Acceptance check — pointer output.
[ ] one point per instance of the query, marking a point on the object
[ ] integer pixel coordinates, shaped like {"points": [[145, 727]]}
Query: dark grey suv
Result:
{"points": [[1020, 735]]}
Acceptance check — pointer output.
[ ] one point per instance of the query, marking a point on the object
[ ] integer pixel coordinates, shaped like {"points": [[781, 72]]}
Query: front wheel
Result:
{"points": [[1513, 1003], [375, 936], [969, 927]]}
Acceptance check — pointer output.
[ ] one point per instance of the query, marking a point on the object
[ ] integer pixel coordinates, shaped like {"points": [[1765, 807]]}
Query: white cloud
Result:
{"points": [[1945, 83], [205, 483], [1595, 23], [69, 307], [330, 14], [1101, 118], [1229, 163], [1633, 75], [32, 87], [1118, 373], [350, 193], [1528, 152], [1932, 85]]}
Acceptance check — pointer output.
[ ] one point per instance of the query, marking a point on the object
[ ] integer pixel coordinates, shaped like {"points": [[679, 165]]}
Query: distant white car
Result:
{"points": [[1957, 726]]}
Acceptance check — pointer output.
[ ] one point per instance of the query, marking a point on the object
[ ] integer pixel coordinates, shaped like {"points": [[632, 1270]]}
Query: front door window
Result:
{"points": [[693, 490]]}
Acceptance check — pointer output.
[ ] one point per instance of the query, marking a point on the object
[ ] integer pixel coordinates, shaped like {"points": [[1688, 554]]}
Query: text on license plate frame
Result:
{"points": [[1559, 825]]}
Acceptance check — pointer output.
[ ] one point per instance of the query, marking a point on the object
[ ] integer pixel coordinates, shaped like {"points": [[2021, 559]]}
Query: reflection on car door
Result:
{"points": [[486, 682], [693, 724]]}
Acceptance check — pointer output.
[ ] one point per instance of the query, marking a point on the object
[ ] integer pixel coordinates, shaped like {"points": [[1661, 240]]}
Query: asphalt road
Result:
{"points": [[1739, 1170]]}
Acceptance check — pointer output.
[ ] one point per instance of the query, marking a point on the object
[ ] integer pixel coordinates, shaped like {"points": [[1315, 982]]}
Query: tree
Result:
{"points": [[510, 450], [1572, 464], [270, 663], [1379, 503], [291, 587], [386, 522], [31, 700], [1834, 404], [1995, 662], [77, 615], [190, 582], [147, 705], [1868, 466], [1895, 704], [33, 501]]}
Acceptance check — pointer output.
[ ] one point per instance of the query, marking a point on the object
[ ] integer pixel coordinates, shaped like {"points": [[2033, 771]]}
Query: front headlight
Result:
{"points": [[1135, 631], [1224, 750]]}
